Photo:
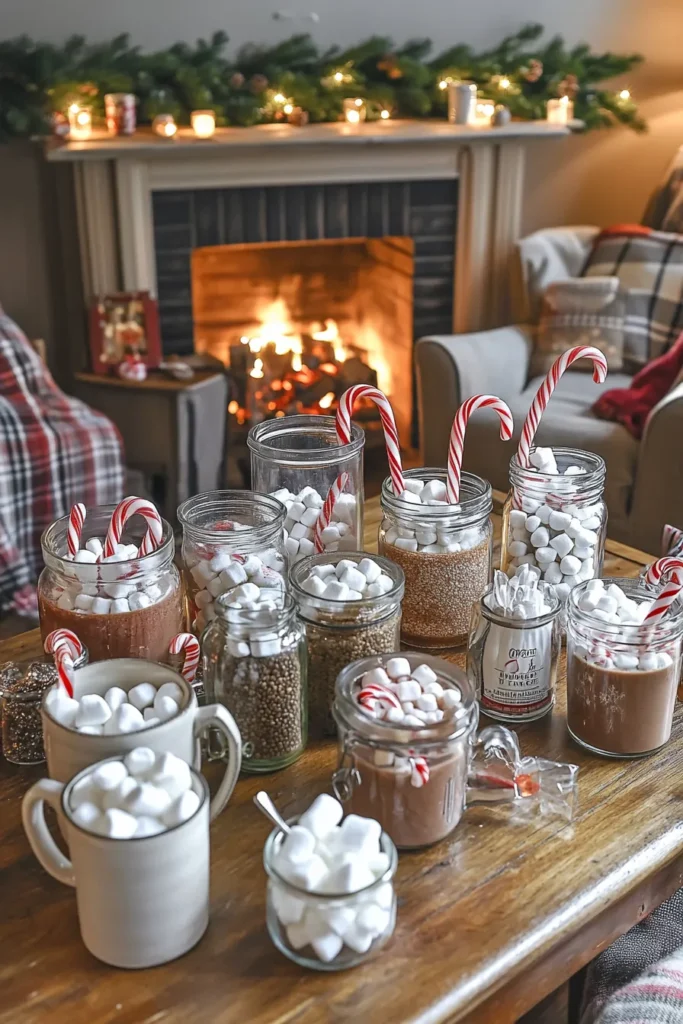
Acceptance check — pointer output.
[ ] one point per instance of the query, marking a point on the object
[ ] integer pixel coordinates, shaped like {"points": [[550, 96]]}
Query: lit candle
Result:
{"points": [[164, 125], [203, 123], [483, 112], [560, 111], [354, 110], [80, 122]]}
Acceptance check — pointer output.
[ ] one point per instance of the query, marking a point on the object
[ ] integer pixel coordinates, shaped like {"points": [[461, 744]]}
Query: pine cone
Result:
{"points": [[533, 71], [258, 84], [237, 80], [569, 86], [389, 64]]}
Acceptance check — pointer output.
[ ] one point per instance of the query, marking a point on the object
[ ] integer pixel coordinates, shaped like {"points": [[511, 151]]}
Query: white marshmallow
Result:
{"points": [[165, 707], [396, 668], [424, 675], [266, 646], [148, 826], [562, 544], [376, 676], [62, 707], [517, 548], [517, 518], [297, 846], [354, 579], [87, 815], [546, 555], [125, 719], [142, 696], [108, 775], [170, 689], [83, 602], [559, 520], [533, 523], [146, 799], [138, 601], [117, 824], [427, 702], [140, 761], [540, 537], [95, 546], [324, 813], [171, 773], [116, 797], [570, 565], [101, 606], [553, 573], [85, 556], [92, 710], [409, 690], [232, 576]]}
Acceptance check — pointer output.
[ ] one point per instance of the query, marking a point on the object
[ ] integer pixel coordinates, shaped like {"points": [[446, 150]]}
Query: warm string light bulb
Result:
{"points": [[504, 83], [279, 98], [443, 84], [385, 115], [625, 95], [338, 77]]}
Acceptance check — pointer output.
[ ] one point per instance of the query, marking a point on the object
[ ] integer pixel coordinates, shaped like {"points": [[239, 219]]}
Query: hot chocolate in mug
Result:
{"points": [[141, 901], [68, 751]]}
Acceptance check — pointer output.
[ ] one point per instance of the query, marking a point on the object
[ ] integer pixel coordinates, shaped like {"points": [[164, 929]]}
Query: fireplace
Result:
{"points": [[300, 322]]}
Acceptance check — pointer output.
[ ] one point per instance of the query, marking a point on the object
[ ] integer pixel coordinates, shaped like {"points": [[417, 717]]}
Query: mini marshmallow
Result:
{"points": [[553, 573], [117, 824], [533, 523], [233, 576], [424, 676], [138, 601], [108, 775], [146, 799], [406, 544], [570, 565], [540, 537], [517, 518], [562, 544], [140, 761], [354, 579], [125, 719], [62, 707], [148, 827], [546, 555], [142, 696], [376, 676], [427, 702], [83, 602], [335, 590], [517, 548], [87, 815], [396, 668], [92, 710], [171, 773], [116, 797], [165, 707], [409, 690], [85, 556], [559, 520], [171, 689]]}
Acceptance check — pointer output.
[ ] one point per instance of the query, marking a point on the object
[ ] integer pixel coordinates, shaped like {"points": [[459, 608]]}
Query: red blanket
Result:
{"points": [[632, 406]]}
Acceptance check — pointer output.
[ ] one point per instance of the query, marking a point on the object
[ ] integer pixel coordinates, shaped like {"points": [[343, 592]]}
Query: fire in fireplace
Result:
{"points": [[298, 323]]}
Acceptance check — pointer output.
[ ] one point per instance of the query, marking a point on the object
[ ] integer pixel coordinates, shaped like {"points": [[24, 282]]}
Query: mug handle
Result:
{"points": [[215, 716], [43, 845]]}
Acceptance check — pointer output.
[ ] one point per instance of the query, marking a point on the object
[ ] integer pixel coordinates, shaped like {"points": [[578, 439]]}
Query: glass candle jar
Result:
{"points": [[122, 609], [293, 915], [255, 664], [229, 538], [556, 521], [445, 552], [512, 661], [341, 631], [621, 679], [22, 686], [297, 459]]}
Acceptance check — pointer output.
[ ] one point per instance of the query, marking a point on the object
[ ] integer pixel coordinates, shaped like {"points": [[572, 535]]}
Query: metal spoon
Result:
{"points": [[267, 807]]}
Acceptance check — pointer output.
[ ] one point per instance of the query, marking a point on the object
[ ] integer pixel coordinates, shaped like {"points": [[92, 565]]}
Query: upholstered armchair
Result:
{"points": [[644, 488]]}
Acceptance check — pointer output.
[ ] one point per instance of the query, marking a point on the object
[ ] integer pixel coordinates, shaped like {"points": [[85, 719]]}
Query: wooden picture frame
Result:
{"points": [[124, 324]]}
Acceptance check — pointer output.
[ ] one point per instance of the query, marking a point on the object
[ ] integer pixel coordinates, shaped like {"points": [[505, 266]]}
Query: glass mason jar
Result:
{"points": [[122, 609], [305, 926], [621, 680], [297, 459], [255, 664], [229, 538], [445, 552], [339, 632], [556, 522], [22, 686], [512, 662]]}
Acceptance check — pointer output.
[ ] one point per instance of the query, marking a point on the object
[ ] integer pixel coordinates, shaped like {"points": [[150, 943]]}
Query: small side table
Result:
{"points": [[176, 430]]}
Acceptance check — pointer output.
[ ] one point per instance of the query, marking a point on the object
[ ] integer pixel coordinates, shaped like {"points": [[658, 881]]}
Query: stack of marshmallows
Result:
{"points": [[108, 598], [347, 580], [416, 698], [140, 795], [610, 604], [303, 510], [256, 637], [226, 571], [143, 706], [322, 856], [433, 539], [561, 544]]}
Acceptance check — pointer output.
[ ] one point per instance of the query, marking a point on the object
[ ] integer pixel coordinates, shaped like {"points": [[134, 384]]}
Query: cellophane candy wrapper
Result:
{"points": [[672, 541], [499, 774]]}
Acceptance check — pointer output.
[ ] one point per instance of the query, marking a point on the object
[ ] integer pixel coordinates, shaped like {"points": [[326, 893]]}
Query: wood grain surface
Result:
{"points": [[490, 921]]}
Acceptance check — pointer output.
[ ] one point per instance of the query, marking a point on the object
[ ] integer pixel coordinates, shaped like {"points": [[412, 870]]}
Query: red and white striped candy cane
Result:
{"points": [[419, 772], [75, 528], [670, 570], [325, 516], [122, 513], [188, 643], [375, 692], [66, 649], [548, 386], [457, 441], [343, 424]]}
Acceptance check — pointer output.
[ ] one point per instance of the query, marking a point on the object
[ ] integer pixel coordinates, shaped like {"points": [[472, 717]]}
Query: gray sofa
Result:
{"points": [[644, 488]]}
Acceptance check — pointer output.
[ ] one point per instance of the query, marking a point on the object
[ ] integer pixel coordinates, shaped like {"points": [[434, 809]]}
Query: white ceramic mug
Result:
{"points": [[68, 751], [141, 902]]}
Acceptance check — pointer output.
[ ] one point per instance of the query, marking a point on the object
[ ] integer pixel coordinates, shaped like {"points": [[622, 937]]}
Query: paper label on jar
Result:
{"points": [[517, 669]]}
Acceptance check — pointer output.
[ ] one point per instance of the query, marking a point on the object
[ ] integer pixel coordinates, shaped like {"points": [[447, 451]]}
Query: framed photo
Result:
{"points": [[124, 324]]}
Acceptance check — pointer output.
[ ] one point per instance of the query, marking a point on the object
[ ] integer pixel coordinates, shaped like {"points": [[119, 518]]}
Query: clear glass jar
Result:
{"points": [[255, 664], [297, 459], [512, 662], [229, 538], [339, 632], [297, 920], [122, 609], [621, 680], [445, 552], [22, 687], [561, 518]]}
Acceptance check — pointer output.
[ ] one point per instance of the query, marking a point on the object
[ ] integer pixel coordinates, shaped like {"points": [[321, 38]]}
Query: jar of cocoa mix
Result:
{"points": [[125, 605], [298, 459], [230, 539], [445, 552], [555, 517], [622, 675], [350, 606]]}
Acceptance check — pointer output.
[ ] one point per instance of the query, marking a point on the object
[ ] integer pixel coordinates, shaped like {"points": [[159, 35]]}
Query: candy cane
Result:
{"points": [[66, 649], [548, 386], [188, 643], [75, 529], [457, 441], [419, 772], [343, 425], [664, 567], [122, 513], [325, 516], [374, 692]]}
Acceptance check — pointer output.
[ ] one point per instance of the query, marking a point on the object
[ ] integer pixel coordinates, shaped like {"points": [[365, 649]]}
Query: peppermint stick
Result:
{"points": [[122, 513], [670, 570], [75, 528], [343, 424], [188, 643], [325, 516], [66, 648], [457, 441], [548, 386]]}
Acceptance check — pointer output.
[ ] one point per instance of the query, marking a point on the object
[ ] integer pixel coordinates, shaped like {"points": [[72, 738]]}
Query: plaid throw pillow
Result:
{"points": [[580, 311], [649, 265]]}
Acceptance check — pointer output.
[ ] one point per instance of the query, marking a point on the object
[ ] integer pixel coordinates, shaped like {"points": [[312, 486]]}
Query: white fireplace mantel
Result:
{"points": [[115, 179]]}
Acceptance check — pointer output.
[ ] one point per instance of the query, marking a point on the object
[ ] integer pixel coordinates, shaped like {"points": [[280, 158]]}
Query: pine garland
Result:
{"points": [[38, 81]]}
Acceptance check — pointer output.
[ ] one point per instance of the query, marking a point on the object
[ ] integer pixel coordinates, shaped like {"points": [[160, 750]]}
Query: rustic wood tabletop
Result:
{"points": [[490, 920]]}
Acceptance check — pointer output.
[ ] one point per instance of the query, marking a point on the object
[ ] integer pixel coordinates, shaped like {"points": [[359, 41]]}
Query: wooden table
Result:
{"points": [[490, 920]]}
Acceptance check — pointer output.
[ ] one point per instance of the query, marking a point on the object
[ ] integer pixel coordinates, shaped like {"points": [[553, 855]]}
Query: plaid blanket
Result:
{"points": [[54, 451], [649, 265]]}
